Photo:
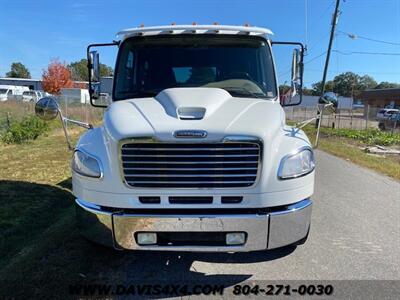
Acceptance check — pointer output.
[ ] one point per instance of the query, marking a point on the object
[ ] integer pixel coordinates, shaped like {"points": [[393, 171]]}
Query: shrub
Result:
{"points": [[29, 128], [370, 136]]}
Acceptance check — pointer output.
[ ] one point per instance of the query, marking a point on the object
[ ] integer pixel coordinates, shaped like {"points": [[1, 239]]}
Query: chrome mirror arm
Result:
{"points": [[320, 109], [64, 121], [70, 147], [79, 123]]}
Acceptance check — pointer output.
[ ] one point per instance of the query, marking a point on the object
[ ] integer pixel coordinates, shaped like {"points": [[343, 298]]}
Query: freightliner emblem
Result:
{"points": [[190, 134]]}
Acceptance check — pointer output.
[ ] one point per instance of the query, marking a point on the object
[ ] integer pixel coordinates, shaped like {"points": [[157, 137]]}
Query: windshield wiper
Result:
{"points": [[244, 91]]}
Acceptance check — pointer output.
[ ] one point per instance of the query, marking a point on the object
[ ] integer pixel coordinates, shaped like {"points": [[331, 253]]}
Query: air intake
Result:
{"points": [[191, 113]]}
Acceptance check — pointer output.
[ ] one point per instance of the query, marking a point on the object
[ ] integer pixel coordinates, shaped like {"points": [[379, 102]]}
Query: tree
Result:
{"points": [[283, 89], [79, 70], [387, 85], [366, 82], [316, 87], [346, 83], [307, 91], [18, 70], [56, 77]]}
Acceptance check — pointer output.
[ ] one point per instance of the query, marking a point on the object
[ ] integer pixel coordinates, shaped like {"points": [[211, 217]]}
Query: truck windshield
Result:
{"points": [[242, 65], [3, 91]]}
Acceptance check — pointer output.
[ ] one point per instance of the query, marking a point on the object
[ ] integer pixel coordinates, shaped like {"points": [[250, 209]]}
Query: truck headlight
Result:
{"points": [[86, 165], [297, 164]]}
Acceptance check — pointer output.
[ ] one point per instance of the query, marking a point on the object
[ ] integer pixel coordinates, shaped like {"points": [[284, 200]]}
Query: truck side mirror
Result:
{"points": [[94, 74], [95, 80], [329, 99], [296, 72], [292, 94], [47, 109]]}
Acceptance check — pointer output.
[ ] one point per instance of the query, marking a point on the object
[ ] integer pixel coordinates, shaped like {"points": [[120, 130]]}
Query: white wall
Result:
{"points": [[311, 101]]}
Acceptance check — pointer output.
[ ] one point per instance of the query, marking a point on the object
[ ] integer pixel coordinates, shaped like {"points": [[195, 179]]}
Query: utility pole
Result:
{"points": [[328, 54]]}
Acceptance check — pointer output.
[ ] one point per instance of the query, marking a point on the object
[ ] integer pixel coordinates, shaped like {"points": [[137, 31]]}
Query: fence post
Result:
{"points": [[351, 117], [367, 117], [8, 119], [334, 120], [329, 121]]}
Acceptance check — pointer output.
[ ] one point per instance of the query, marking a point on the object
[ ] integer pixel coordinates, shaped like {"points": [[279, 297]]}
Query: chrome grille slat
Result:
{"points": [[189, 149], [190, 169], [190, 182], [189, 155], [193, 163], [187, 175], [190, 165]]}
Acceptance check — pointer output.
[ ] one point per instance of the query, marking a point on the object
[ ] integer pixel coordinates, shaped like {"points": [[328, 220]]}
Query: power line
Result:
{"points": [[366, 53], [355, 36], [307, 62], [315, 57], [354, 71]]}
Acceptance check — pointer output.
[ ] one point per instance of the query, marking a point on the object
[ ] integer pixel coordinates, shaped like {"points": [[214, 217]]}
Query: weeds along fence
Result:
{"points": [[15, 111], [350, 118]]}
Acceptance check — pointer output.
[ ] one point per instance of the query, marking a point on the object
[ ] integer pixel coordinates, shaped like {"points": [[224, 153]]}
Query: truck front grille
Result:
{"points": [[190, 165]]}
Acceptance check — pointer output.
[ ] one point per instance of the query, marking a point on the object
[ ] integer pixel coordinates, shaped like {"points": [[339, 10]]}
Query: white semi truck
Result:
{"points": [[193, 153]]}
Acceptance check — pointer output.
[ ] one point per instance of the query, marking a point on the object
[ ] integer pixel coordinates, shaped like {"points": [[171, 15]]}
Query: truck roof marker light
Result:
{"points": [[246, 25], [173, 24], [194, 23], [216, 24], [141, 25]]}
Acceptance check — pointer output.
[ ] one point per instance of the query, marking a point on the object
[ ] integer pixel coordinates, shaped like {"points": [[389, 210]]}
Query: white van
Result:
{"points": [[8, 92]]}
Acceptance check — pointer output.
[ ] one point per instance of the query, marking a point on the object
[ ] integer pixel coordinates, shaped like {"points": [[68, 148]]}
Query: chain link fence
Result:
{"points": [[349, 118], [15, 110]]}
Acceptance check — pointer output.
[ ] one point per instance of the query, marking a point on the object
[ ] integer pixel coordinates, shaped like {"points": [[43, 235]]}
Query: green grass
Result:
{"points": [[41, 251], [349, 144]]}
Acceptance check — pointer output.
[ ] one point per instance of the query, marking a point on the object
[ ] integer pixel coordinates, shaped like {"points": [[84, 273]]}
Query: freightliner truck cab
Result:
{"points": [[193, 153]]}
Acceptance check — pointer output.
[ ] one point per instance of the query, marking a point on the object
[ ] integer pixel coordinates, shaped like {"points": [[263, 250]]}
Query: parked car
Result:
{"points": [[385, 113], [32, 96], [393, 122]]}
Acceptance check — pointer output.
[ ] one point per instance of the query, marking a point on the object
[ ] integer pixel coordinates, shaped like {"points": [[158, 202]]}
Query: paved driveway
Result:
{"points": [[355, 234]]}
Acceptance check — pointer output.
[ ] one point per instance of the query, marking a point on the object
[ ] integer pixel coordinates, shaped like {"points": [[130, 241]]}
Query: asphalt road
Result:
{"points": [[355, 235]]}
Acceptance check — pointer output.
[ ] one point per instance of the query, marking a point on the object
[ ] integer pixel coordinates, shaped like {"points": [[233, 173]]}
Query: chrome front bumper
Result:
{"points": [[269, 230]]}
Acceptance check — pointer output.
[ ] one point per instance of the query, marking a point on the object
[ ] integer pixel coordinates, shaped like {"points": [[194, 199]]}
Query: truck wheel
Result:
{"points": [[381, 126]]}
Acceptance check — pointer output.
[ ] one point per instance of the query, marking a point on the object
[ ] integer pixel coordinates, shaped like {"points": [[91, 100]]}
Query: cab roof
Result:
{"points": [[193, 29]]}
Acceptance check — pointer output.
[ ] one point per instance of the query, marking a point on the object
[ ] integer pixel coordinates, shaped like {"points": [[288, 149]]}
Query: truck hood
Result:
{"points": [[211, 109]]}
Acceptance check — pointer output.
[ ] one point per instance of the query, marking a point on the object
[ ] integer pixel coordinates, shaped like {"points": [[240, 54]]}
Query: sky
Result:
{"points": [[34, 32]]}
